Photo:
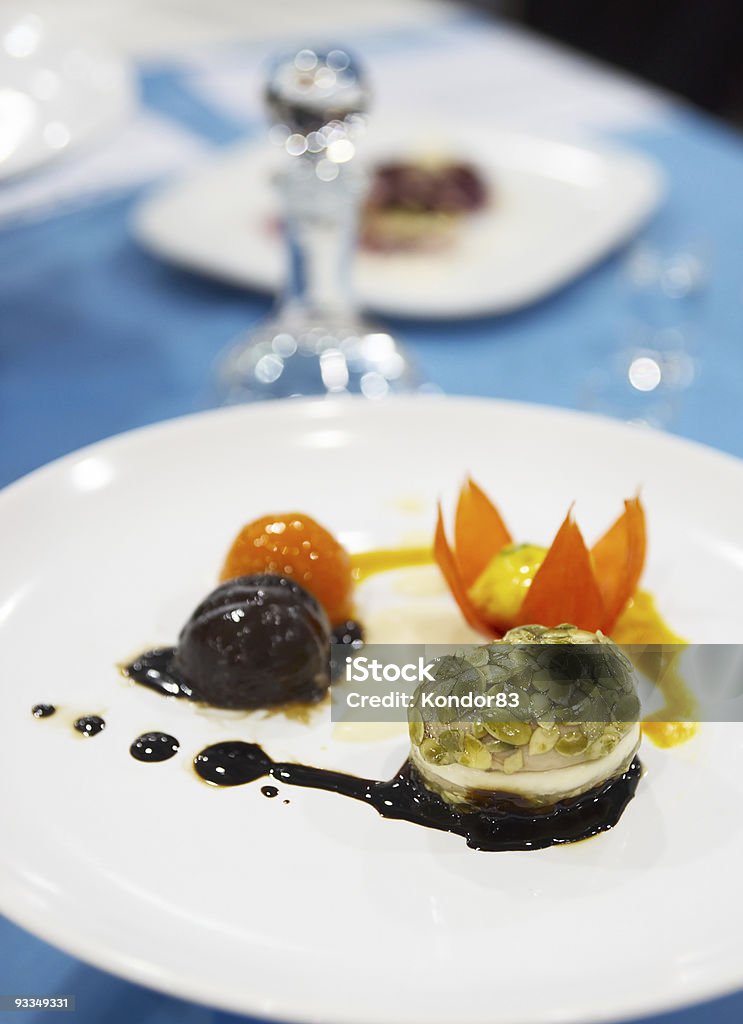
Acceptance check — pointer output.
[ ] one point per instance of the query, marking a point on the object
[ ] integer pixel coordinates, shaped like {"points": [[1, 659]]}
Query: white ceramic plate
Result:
{"points": [[320, 910], [557, 208], [56, 91]]}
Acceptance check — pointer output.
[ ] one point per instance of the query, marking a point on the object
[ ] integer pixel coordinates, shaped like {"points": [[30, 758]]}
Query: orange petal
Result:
{"points": [[447, 563], [618, 559], [479, 532], [564, 588]]}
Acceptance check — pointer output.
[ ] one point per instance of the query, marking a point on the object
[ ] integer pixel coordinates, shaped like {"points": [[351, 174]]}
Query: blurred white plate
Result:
{"points": [[556, 209], [55, 91], [320, 910]]}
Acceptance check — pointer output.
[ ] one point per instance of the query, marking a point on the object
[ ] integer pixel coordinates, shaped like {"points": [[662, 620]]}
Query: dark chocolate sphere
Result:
{"points": [[256, 642]]}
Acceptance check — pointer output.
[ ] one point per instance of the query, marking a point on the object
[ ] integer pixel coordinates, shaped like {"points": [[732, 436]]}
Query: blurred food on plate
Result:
{"points": [[419, 203]]}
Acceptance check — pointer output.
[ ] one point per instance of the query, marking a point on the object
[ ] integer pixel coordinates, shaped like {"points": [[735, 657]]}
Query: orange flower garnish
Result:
{"points": [[589, 589]]}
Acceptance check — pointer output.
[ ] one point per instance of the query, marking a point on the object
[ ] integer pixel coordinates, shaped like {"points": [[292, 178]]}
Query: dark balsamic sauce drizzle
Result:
{"points": [[43, 710], [269, 791], [154, 746], [154, 669], [404, 797], [90, 725]]}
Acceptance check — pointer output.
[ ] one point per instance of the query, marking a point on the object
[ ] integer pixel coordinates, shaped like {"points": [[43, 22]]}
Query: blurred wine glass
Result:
{"points": [[315, 341], [654, 355]]}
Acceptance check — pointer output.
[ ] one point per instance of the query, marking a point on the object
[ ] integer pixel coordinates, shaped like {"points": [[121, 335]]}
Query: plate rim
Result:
{"points": [[701, 448], [177, 987]]}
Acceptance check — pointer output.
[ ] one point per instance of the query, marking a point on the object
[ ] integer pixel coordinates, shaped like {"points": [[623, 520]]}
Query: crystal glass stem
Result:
{"points": [[320, 226]]}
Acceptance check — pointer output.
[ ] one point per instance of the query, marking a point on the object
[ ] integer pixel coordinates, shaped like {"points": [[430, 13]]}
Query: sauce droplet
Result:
{"points": [[43, 710], [232, 763], [154, 746], [269, 791], [90, 725]]}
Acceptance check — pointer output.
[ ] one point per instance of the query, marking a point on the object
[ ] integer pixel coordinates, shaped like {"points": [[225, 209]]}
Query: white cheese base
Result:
{"points": [[540, 787]]}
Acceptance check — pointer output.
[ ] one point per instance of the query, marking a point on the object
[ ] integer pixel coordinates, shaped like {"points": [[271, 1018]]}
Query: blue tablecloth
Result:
{"points": [[97, 337]]}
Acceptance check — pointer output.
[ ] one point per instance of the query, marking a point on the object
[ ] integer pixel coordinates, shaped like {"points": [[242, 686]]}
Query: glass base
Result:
{"points": [[285, 357]]}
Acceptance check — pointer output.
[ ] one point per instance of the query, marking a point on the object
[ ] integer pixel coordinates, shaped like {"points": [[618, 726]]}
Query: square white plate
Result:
{"points": [[556, 209]]}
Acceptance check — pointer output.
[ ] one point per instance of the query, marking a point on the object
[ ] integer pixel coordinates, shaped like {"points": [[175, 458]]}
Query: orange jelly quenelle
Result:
{"points": [[295, 545]]}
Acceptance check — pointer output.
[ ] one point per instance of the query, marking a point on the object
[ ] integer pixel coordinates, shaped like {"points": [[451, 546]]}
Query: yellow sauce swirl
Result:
{"points": [[368, 563], [642, 623]]}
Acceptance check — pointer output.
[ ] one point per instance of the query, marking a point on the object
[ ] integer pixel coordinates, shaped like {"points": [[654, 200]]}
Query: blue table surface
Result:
{"points": [[98, 336]]}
